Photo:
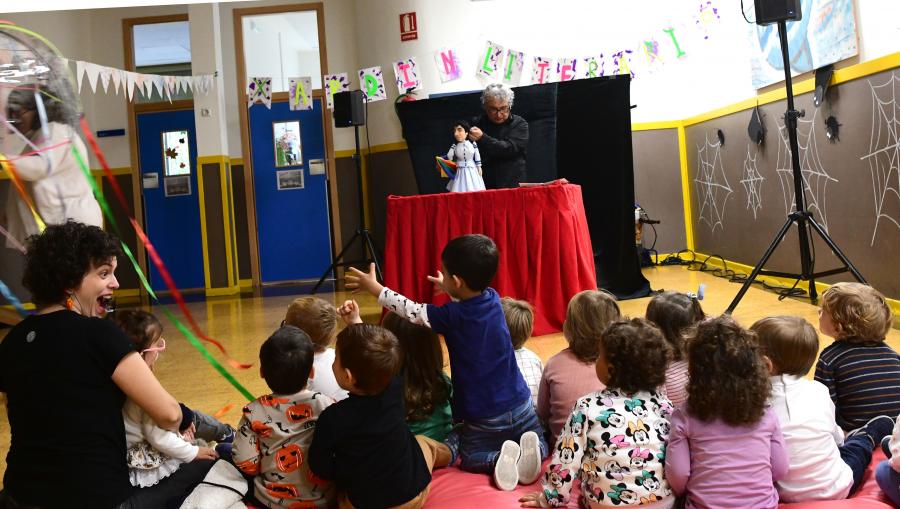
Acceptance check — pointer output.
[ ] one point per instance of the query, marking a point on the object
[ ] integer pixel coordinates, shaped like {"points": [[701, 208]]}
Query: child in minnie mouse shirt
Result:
{"points": [[615, 439]]}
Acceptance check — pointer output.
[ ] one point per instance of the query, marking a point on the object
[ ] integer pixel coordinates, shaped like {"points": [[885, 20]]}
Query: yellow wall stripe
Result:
{"points": [[685, 189]]}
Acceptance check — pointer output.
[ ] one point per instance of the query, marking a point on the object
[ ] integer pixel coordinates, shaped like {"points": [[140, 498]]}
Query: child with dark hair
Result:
{"points": [[500, 431], [859, 369], [468, 161], [673, 313], [725, 448], [426, 387], [154, 453], [362, 443], [569, 374], [520, 321], [615, 439], [318, 318], [276, 429], [823, 466]]}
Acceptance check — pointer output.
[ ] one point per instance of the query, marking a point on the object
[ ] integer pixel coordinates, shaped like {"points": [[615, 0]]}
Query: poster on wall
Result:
{"points": [[289, 179], [825, 35], [178, 186], [287, 143]]}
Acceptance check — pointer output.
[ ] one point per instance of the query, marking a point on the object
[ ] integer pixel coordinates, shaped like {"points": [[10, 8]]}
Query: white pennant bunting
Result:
{"points": [[79, 72], [105, 76], [129, 84], [93, 72], [117, 77]]}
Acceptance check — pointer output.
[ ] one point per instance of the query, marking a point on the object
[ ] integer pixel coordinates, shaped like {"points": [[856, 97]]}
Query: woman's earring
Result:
{"points": [[70, 303]]}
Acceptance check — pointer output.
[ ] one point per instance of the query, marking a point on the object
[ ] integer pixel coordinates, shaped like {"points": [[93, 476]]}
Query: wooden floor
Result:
{"points": [[243, 324]]}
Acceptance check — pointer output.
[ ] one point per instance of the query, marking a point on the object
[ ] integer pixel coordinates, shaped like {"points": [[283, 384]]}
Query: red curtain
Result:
{"points": [[541, 232]]}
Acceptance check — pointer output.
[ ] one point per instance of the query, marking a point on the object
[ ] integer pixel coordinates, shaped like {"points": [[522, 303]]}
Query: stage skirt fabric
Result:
{"points": [[541, 233]]}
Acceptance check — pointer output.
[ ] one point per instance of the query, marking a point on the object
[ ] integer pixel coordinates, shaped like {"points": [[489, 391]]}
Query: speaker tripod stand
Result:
{"points": [[362, 234], [801, 217]]}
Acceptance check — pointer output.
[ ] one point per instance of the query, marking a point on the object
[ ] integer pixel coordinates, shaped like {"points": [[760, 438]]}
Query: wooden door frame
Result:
{"points": [[241, 81], [136, 187]]}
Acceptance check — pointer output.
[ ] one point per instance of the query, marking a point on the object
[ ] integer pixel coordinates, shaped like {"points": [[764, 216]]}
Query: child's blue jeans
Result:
{"points": [[889, 481], [477, 442]]}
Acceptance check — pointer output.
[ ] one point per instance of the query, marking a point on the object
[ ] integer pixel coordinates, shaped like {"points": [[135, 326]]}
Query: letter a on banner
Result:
{"points": [[512, 68], [371, 82], [490, 60], [447, 62], [300, 94], [334, 83], [407, 75]]}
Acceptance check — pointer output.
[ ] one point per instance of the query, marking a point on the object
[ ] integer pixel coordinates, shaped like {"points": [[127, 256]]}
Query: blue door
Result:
{"points": [[293, 227], [171, 206]]}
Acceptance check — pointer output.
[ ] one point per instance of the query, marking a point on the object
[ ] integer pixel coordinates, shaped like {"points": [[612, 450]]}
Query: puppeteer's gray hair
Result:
{"points": [[498, 91]]}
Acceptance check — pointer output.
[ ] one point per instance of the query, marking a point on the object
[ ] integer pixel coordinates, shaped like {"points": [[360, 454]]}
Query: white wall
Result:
{"points": [[713, 73]]}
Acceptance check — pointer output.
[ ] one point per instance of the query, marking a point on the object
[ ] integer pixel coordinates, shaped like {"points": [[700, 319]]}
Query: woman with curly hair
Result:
{"points": [[66, 373], [726, 447], [427, 389], [615, 438]]}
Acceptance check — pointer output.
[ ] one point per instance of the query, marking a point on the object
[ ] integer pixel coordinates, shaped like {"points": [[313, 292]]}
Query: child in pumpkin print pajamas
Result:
{"points": [[277, 429]]}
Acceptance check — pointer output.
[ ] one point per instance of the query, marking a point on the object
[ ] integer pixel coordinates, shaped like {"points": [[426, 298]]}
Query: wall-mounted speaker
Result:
{"points": [[773, 11], [349, 109]]}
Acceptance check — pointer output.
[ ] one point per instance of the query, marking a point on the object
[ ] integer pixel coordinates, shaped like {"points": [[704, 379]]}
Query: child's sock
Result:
{"points": [[506, 470], [529, 464]]}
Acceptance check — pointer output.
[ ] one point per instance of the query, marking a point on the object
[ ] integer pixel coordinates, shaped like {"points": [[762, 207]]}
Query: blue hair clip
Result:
{"points": [[701, 291]]}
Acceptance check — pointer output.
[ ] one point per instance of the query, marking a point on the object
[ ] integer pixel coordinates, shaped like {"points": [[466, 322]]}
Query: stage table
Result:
{"points": [[541, 232]]}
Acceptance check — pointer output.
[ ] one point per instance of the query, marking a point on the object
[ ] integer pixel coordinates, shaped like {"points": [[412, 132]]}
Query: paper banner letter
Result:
{"points": [[447, 63], [622, 62], [259, 90], [371, 81], [490, 60], [512, 68], [565, 69], [407, 75], [678, 51], [299, 94], [335, 83], [592, 67], [541, 71]]}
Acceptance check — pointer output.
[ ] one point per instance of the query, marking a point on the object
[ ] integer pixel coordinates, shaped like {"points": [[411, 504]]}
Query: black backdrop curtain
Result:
{"points": [[578, 130]]}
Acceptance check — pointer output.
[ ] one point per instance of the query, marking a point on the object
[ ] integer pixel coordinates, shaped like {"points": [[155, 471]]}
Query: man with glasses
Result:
{"points": [[502, 138]]}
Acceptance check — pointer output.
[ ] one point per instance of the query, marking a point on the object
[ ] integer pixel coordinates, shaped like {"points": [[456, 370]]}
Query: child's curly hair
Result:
{"points": [[729, 379], [859, 312], [637, 354]]}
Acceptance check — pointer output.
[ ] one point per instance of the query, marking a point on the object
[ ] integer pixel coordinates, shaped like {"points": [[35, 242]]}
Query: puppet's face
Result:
{"points": [[459, 133]]}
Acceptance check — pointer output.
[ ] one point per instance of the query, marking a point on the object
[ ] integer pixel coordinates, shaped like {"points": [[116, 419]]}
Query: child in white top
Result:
{"points": [[318, 319], [152, 453], [520, 321], [615, 439], [822, 464]]}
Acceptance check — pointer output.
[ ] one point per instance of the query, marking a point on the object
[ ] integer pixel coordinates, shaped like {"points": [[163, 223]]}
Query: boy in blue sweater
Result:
{"points": [[499, 431]]}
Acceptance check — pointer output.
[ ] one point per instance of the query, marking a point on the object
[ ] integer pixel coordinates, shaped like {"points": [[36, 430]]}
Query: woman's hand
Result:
{"points": [[205, 453], [535, 499], [349, 312], [368, 282]]}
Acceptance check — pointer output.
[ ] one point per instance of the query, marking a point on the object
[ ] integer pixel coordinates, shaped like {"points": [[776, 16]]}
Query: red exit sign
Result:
{"points": [[408, 28]]}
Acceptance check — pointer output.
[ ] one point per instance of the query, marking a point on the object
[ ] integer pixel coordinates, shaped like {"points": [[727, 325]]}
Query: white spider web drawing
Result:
{"points": [[752, 182], [712, 184], [884, 150], [815, 178]]}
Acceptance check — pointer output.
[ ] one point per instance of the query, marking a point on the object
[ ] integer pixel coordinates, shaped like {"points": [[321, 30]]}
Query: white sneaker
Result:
{"points": [[506, 472], [529, 465]]}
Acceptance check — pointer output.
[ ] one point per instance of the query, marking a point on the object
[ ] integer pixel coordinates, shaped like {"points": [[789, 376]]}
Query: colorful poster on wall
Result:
{"points": [[489, 62], [371, 82], [542, 70], [259, 90], [406, 74], [335, 83], [565, 69], [825, 35], [300, 94], [592, 67], [447, 62], [513, 66]]}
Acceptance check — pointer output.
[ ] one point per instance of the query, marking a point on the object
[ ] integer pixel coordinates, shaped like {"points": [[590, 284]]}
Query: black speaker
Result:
{"points": [[348, 109], [773, 11]]}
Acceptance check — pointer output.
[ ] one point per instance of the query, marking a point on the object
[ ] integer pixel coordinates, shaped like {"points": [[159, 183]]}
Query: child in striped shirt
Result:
{"points": [[673, 313], [861, 372], [520, 321]]}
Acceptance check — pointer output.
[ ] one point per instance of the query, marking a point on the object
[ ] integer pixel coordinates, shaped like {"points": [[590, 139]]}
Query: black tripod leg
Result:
{"points": [[371, 248], [335, 263], [807, 271], [837, 251], [759, 266]]}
